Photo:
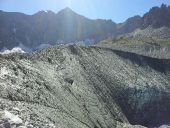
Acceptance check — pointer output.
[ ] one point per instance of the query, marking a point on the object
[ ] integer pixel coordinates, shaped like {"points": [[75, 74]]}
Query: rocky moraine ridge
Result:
{"points": [[83, 87]]}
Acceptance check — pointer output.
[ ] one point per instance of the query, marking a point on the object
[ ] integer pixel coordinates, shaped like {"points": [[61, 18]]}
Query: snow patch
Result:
{"points": [[19, 49], [46, 11], [14, 50]]}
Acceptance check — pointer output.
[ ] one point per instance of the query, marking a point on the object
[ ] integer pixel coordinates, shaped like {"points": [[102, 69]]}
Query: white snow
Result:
{"points": [[19, 49], [164, 126], [23, 49], [46, 11], [14, 50]]}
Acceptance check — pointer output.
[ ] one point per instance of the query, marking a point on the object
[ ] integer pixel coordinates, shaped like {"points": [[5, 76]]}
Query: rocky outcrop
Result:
{"points": [[155, 22], [85, 87], [129, 25], [157, 17]]}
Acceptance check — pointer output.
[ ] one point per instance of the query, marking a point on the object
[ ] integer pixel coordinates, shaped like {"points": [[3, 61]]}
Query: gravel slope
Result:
{"points": [[84, 87]]}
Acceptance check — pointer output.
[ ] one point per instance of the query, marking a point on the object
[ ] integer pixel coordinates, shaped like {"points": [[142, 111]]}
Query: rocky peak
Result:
{"points": [[130, 24], [44, 13], [65, 11], [133, 19], [157, 17]]}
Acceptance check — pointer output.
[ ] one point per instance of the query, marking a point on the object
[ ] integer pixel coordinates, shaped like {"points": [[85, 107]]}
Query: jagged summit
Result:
{"points": [[67, 10], [45, 12], [157, 17], [47, 27]]}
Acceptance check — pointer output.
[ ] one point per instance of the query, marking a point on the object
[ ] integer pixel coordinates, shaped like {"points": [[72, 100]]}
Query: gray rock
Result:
{"points": [[94, 88]]}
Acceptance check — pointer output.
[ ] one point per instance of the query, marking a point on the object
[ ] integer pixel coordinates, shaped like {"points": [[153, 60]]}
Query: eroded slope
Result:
{"points": [[85, 87]]}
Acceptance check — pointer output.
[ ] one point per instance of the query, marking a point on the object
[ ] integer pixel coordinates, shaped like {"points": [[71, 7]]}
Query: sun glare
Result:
{"points": [[68, 3]]}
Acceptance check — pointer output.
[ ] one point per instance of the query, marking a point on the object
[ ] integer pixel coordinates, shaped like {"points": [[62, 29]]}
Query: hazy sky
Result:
{"points": [[117, 10]]}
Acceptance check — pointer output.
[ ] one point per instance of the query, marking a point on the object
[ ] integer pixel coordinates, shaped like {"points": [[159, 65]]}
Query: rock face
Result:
{"points": [[157, 17], [47, 27], [85, 87], [130, 25]]}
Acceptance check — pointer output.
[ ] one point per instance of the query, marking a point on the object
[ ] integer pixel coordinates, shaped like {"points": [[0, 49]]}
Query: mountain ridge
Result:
{"points": [[66, 26]]}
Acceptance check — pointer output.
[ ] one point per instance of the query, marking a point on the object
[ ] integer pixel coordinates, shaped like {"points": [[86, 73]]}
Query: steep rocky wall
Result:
{"points": [[85, 87]]}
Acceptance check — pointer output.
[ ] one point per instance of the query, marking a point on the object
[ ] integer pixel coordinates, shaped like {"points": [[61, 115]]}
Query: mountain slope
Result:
{"points": [[86, 87], [157, 17], [153, 42], [47, 27]]}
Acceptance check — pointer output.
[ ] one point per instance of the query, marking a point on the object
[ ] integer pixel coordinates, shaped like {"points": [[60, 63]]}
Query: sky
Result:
{"points": [[116, 10]]}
